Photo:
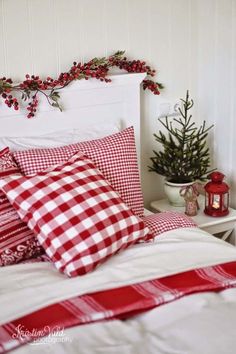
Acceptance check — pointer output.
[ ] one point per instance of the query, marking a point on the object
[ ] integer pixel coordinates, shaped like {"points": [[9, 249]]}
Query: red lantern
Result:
{"points": [[216, 196]]}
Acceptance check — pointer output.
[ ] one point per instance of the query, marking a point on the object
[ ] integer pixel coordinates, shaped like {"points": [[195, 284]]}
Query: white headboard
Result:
{"points": [[84, 103]]}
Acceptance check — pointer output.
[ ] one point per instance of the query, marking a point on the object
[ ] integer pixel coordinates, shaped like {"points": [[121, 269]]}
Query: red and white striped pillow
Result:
{"points": [[78, 217], [17, 241], [114, 155]]}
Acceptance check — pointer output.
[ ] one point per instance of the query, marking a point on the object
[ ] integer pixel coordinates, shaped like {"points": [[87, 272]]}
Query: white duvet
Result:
{"points": [[201, 323]]}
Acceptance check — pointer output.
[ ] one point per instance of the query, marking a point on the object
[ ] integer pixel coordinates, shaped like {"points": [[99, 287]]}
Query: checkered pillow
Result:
{"points": [[17, 241], [114, 155], [78, 217], [162, 222]]}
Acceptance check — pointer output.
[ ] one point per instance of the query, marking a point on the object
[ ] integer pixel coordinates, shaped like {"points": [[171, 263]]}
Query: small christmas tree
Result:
{"points": [[185, 156]]}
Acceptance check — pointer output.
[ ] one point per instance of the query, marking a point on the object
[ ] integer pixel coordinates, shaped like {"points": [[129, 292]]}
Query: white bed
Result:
{"points": [[198, 323]]}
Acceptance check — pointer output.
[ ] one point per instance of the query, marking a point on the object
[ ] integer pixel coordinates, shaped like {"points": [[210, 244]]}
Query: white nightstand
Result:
{"points": [[225, 225]]}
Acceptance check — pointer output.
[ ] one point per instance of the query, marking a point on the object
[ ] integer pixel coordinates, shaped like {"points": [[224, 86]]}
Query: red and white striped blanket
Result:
{"points": [[119, 303]]}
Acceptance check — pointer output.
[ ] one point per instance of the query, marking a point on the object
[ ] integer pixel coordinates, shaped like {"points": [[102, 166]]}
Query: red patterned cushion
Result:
{"points": [[78, 217], [114, 155], [162, 222], [17, 241]]}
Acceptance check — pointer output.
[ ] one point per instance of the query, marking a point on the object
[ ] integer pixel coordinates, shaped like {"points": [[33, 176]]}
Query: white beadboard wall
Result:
{"points": [[192, 43]]}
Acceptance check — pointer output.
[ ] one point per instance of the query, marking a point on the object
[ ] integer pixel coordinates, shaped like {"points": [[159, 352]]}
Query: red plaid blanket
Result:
{"points": [[119, 303]]}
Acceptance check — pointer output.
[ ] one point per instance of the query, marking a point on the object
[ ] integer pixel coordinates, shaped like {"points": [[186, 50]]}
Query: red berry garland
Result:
{"points": [[97, 68]]}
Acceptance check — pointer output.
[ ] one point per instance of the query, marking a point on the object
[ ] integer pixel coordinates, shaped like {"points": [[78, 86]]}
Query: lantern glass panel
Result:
{"points": [[206, 200], [215, 202], [225, 201]]}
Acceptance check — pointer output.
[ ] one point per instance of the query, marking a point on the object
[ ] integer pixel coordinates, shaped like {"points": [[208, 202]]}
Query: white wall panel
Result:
{"points": [[232, 143], [17, 49], [93, 30], [3, 66], [44, 36], [223, 52], [68, 33], [180, 47], [159, 51], [116, 26], [192, 43], [159, 39], [138, 27], [205, 108]]}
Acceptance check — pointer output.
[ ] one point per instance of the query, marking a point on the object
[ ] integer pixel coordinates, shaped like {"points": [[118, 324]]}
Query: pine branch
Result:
{"points": [[185, 156]]}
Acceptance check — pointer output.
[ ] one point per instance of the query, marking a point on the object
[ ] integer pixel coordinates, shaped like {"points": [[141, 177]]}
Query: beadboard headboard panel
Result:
{"points": [[85, 103]]}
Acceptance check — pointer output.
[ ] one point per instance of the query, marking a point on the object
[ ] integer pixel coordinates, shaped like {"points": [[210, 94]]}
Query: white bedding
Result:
{"points": [[27, 287], [197, 324]]}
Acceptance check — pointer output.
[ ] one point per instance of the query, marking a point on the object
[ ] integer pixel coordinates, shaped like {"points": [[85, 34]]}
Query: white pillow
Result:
{"points": [[53, 139], [59, 138], [92, 132]]}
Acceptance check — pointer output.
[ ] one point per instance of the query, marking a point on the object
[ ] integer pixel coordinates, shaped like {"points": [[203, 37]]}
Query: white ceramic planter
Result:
{"points": [[172, 192]]}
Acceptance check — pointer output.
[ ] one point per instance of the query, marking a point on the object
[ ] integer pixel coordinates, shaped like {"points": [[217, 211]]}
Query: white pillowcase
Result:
{"points": [[54, 139], [98, 131], [59, 138]]}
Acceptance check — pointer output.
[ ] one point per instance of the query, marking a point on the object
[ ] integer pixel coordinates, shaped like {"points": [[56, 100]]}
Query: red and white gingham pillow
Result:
{"points": [[114, 155], [166, 221], [78, 217], [17, 241]]}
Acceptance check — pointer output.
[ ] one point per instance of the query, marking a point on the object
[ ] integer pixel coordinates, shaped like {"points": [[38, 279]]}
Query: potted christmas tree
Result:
{"points": [[184, 157]]}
